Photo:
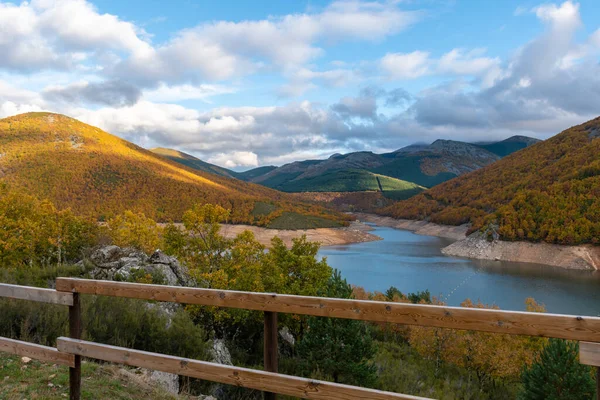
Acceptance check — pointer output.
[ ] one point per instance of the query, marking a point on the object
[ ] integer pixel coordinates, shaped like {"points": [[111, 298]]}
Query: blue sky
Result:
{"points": [[243, 84]]}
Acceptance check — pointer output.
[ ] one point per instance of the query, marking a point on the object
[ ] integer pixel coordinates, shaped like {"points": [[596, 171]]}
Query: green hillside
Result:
{"points": [[352, 180]]}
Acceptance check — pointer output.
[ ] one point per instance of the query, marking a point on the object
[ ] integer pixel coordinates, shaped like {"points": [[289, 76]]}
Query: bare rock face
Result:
{"points": [[116, 263], [220, 352], [287, 336], [169, 382]]}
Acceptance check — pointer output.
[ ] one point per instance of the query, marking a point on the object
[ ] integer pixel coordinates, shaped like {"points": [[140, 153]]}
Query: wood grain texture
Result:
{"points": [[36, 351], [242, 377], [486, 320], [35, 294], [589, 353]]}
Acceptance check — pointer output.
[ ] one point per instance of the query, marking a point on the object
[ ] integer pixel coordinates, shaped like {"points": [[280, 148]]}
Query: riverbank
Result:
{"points": [[586, 257], [570, 257], [356, 232], [418, 227]]}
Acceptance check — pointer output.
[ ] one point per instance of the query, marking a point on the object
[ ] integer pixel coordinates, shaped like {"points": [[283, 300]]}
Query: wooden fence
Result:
{"points": [[70, 350]]}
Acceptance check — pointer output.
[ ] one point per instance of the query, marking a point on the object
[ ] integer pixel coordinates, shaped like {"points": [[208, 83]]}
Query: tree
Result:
{"points": [[135, 230], [557, 374], [338, 349]]}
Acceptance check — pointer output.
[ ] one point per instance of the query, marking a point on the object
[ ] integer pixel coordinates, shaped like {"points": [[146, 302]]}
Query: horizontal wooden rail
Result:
{"points": [[237, 376], [35, 294], [36, 351], [476, 319], [589, 353]]}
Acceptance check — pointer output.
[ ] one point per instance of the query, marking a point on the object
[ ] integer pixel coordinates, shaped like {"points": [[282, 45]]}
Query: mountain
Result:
{"points": [[193, 162], [97, 174], [548, 192], [510, 145], [253, 173], [421, 165]]}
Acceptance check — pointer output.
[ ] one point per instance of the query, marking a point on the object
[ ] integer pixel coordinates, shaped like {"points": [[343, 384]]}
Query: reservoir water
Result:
{"points": [[413, 263]]}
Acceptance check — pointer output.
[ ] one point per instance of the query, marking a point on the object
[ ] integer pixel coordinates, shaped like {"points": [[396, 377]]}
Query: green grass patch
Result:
{"points": [[409, 169], [262, 209], [292, 220], [41, 381]]}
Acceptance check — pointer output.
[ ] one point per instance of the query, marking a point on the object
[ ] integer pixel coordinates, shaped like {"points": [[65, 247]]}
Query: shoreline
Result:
{"points": [[419, 227], [583, 257], [356, 232]]}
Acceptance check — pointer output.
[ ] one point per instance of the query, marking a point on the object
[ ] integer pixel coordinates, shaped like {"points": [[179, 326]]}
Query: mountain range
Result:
{"points": [[548, 192], [96, 174], [397, 175]]}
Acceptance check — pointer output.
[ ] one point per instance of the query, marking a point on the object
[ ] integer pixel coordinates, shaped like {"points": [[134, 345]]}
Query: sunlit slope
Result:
{"points": [[95, 173], [193, 162], [549, 191]]}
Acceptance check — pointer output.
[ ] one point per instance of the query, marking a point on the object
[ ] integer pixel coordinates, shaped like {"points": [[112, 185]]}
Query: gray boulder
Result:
{"points": [[113, 262]]}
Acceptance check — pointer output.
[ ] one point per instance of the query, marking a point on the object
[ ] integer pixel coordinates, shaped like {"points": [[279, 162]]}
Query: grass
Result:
{"points": [[40, 381], [347, 180], [409, 169], [291, 220], [262, 209]]}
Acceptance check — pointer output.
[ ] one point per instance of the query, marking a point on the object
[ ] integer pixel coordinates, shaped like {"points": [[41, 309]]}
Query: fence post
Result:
{"points": [[75, 333], [270, 352], [598, 383]]}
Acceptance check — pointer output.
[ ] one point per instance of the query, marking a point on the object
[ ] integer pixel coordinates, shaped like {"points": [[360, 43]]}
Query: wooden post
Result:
{"points": [[271, 350], [598, 382], [75, 333]]}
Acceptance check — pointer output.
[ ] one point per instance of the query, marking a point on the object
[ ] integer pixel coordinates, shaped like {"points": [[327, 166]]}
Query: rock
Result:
{"points": [[220, 352], [158, 257], [25, 360], [105, 254], [169, 382], [287, 336], [205, 397], [166, 271], [111, 262]]}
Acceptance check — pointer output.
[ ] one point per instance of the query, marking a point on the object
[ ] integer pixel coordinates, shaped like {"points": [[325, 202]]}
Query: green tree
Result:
{"points": [[338, 349], [303, 273], [557, 374]]}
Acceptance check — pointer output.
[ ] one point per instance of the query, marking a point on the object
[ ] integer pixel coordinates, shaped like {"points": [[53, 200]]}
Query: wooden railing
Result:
{"points": [[70, 350]]}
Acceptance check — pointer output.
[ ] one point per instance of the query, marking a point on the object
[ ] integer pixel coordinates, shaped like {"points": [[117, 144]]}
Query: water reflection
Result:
{"points": [[414, 262]]}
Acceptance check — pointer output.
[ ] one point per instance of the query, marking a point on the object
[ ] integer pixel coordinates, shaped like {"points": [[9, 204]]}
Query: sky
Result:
{"points": [[244, 84]]}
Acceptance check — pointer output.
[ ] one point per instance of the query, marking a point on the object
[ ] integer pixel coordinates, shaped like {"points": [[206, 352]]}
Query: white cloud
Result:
{"points": [[406, 65], [164, 93], [225, 49], [9, 108], [47, 34], [235, 159]]}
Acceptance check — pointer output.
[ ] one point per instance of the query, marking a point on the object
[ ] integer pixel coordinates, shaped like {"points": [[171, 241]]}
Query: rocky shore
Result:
{"points": [[571, 257], [584, 257]]}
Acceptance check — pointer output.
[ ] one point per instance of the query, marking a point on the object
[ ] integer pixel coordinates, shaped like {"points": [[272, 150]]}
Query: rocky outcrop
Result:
{"points": [[168, 381], [287, 336], [220, 353], [116, 263]]}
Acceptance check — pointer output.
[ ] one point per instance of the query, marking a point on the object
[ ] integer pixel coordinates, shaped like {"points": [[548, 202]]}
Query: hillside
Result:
{"points": [[510, 145], [352, 180], [547, 192], [96, 174], [193, 162], [419, 164]]}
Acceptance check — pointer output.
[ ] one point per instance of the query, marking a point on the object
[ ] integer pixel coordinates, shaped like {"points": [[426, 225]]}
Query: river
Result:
{"points": [[414, 262]]}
